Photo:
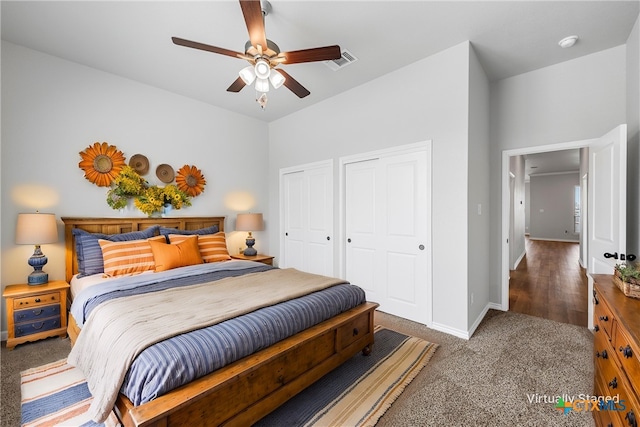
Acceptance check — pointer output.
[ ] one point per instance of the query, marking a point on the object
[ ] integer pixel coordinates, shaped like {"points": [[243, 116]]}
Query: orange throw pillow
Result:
{"points": [[213, 247], [174, 255]]}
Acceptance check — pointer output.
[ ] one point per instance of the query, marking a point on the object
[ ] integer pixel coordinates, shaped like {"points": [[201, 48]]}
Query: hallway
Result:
{"points": [[550, 283]]}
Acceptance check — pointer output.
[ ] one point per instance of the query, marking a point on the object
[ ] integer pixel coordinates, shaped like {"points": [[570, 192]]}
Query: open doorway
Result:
{"points": [[544, 274]]}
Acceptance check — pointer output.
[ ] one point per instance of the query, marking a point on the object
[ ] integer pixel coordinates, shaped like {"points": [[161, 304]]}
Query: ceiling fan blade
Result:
{"points": [[255, 22], [293, 85], [236, 86], [311, 55], [208, 48]]}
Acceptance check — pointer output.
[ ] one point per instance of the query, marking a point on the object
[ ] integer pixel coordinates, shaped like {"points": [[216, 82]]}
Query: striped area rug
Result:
{"points": [[57, 395], [356, 393]]}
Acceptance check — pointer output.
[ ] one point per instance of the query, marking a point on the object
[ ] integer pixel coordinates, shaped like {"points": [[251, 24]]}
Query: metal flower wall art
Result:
{"points": [[101, 163], [104, 165], [190, 180]]}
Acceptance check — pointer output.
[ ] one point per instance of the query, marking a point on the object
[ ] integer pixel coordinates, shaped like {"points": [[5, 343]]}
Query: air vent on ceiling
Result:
{"points": [[345, 59]]}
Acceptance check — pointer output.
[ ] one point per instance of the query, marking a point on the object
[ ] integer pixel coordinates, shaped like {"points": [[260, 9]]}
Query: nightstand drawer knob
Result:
{"points": [[38, 300], [604, 354], [613, 383], [630, 418], [604, 318]]}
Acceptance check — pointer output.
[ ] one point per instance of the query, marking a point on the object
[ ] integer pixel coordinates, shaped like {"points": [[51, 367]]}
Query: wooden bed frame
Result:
{"points": [[250, 388]]}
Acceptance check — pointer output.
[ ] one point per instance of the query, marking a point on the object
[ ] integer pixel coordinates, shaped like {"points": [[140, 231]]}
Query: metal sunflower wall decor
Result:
{"points": [[104, 165], [101, 163], [190, 180]]}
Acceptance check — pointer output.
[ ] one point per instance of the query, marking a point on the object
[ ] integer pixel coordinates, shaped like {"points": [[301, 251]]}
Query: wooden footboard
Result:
{"points": [[247, 390]]}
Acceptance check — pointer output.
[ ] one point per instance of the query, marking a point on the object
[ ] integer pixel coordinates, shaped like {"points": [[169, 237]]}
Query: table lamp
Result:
{"points": [[36, 229], [250, 222]]}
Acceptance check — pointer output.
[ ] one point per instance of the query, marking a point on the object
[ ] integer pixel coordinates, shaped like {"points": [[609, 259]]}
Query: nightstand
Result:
{"points": [[265, 259], [36, 312]]}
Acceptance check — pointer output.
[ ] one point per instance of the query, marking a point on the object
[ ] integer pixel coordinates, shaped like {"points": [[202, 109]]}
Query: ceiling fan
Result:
{"points": [[264, 55]]}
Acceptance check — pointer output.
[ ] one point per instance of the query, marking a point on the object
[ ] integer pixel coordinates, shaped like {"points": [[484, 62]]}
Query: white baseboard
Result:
{"points": [[555, 240], [4, 335], [451, 331]]}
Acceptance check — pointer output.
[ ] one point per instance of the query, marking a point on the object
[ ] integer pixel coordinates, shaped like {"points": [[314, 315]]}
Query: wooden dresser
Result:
{"points": [[616, 353]]}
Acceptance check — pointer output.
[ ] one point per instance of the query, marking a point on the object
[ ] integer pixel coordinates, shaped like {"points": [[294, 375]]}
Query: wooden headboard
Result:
{"points": [[125, 225]]}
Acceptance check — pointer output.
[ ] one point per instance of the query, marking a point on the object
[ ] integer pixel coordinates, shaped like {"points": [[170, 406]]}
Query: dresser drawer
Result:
{"points": [[602, 316], [628, 354], [36, 313], [29, 328], [36, 300]]}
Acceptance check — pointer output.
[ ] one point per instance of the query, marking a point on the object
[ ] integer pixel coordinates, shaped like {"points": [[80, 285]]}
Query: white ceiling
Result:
{"points": [[552, 162], [133, 39]]}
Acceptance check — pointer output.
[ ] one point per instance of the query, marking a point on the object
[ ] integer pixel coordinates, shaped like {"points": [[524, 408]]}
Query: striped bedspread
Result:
{"points": [[180, 359]]}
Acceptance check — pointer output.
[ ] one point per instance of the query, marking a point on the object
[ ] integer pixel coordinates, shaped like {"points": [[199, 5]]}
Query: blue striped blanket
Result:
{"points": [[179, 360]]}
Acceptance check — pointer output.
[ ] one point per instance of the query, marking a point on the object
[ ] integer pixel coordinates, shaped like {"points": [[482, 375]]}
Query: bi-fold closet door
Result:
{"points": [[384, 234], [387, 233], [307, 218]]}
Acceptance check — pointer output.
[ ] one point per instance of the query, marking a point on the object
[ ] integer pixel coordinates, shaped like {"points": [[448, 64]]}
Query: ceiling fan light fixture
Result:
{"points": [[262, 85], [247, 74], [262, 69], [276, 79]]}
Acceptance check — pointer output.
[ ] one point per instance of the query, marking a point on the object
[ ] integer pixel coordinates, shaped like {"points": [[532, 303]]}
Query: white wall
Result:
{"points": [[479, 193], [517, 229], [426, 100], [52, 109], [575, 100], [552, 204]]}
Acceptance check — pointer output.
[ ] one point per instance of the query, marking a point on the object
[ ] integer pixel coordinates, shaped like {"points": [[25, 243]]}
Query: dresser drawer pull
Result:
{"points": [[630, 418], [37, 299], [626, 351], [355, 332], [604, 318], [596, 328], [38, 325], [613, 383], [604, 354]]}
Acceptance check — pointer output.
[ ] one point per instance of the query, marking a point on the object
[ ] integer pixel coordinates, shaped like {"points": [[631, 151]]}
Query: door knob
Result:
{"points": [[349, 240], [613, 255]]}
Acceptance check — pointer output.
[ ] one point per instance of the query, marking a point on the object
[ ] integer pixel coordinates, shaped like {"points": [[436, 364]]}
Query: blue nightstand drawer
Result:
{"points": [[37, 326], [36, 313]]}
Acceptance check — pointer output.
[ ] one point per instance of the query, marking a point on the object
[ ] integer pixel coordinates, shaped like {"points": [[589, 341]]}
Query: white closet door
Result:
{"points": [[307, 203], [294, 222], [388, 248]]}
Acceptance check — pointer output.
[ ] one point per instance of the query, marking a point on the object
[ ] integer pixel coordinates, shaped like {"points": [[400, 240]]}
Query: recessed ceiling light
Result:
{"points": [[568, 41]]}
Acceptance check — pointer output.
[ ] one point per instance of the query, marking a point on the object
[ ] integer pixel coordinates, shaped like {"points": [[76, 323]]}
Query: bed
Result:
{"points": [[244, 391]]}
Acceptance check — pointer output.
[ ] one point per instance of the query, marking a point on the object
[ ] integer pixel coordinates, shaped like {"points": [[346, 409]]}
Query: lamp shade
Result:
{"points": [[36, 229], [249, 222]]}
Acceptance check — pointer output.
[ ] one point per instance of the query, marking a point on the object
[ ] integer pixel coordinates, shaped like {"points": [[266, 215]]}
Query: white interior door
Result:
{"points": [[607, 200], [307, 212], [388, 248]]}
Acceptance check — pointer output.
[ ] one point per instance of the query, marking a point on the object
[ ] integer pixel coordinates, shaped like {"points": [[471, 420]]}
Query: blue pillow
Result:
{"points": [[88, 249], [202, 231]]}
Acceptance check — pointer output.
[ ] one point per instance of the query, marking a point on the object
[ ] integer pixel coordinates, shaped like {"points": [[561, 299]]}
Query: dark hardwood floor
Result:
{"points": [[550, 283]]}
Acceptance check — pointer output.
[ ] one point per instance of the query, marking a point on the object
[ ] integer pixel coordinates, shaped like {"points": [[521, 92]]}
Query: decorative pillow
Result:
{"points": [[88, 250], [213, 247], [127, 258], [209, 230], [174, 255]]}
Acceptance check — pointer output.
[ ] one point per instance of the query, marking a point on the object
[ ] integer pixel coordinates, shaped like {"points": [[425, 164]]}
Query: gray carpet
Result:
{"points": [[484, 381]]}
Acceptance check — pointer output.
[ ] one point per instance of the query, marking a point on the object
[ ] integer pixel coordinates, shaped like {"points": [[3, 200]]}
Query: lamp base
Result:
{"points": [[37, 278], [250, 251], [37, 261]]}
